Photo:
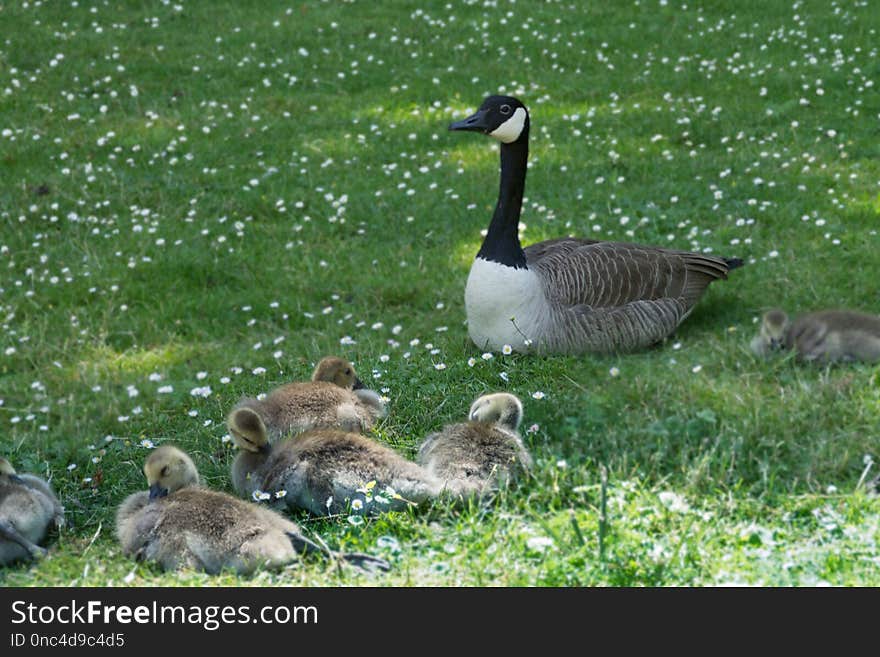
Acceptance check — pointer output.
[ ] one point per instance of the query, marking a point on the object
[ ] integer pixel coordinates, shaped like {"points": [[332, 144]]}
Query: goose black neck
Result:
{"points": [[502, 240]]}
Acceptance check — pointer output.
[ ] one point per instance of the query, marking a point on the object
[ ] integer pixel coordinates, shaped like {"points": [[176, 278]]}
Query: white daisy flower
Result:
{"points": [[539, 543]]}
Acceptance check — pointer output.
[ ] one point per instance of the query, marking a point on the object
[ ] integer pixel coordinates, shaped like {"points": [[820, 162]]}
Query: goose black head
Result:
{"points": [[502, 117]]}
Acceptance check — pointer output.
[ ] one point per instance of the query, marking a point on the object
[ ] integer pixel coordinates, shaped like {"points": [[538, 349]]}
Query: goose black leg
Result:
{"points": [[359, 560]]}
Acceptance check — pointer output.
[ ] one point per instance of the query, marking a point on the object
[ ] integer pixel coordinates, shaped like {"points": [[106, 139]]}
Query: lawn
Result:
{"points": [[201, 199]]}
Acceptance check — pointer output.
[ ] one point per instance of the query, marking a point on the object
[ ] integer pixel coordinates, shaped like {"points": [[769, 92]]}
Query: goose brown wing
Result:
{"points": [[599, 274], [617, 329]]}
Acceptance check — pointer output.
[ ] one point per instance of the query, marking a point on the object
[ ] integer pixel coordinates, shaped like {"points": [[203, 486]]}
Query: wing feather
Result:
{"points": [[597, 274]]}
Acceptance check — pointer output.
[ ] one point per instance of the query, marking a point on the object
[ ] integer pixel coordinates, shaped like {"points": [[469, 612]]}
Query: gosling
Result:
{"points": [[325, 471], [334, 398], [28, 509], [826, 336], [178, 524], [476, 457]]}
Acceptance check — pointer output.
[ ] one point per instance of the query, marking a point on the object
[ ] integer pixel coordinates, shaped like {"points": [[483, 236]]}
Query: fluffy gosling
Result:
{"points": [[28, 509], [334, 398], [326, 471], [477, 456], [179, 524], [825, 336]]}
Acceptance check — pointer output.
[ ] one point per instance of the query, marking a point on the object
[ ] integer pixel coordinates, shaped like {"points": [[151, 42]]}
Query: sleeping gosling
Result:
{"points": [[334, 398], [178, 524], [479, 455], [325, 471], [28, 509], [825, 336]]}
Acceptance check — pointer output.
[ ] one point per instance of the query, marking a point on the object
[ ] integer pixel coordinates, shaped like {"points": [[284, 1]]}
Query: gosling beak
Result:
{"points": [[473, 123], [157, 491], [358, 384], [775, 343]]}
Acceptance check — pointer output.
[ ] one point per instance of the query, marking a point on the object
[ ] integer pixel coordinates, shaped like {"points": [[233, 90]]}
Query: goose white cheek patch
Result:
{"points": [[510, 130]]}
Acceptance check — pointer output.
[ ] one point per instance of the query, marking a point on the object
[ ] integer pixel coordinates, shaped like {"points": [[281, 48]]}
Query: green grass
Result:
{"points": [[195, 187]]}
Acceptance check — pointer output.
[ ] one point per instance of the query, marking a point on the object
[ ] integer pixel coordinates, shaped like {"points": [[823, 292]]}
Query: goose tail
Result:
{"points": [[733, 263]]}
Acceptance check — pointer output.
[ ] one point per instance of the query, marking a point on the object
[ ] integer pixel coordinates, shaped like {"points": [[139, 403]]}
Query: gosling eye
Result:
{"points": [[505, 109], [165, 471], [348, 370]]}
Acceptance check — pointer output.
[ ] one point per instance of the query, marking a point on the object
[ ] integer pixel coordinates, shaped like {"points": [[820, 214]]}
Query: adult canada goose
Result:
{"points": [[824, 336], [28, 508], [179, 524], [325, 471], [334, 397], [570, 295], [478, 455]]}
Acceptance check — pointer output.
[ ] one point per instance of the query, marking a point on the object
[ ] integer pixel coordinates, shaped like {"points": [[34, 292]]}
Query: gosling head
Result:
{"points": [[6, 469], [339, 371], [248, 430], [168, 469], [773, 327], [503, 117], [500, 407]]}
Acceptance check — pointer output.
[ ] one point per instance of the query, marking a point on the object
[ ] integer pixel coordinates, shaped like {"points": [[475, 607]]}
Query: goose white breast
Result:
{"points": [[504, 305]]}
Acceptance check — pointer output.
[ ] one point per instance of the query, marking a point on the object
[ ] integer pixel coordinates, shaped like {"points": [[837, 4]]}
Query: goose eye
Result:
{"points": [[505, 109]]}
